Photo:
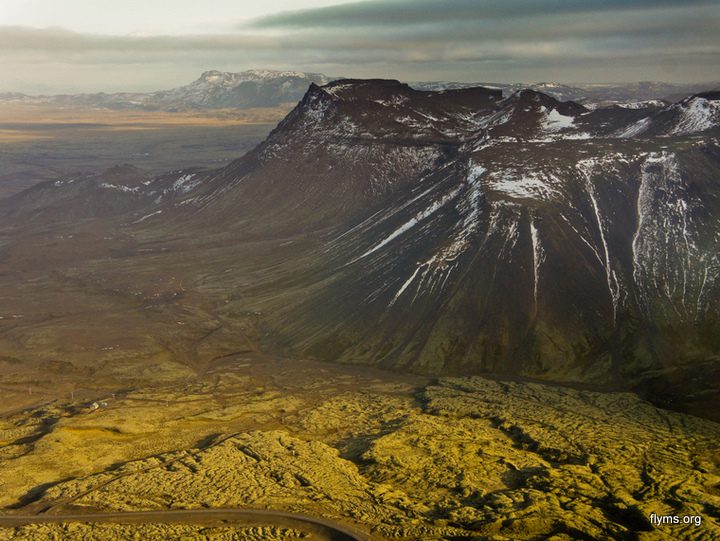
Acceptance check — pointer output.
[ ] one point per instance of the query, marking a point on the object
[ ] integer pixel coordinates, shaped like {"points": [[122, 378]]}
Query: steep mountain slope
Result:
{"points": [[699, 113], [448, 232], [565, 272], [346, 146], [533, 244]]}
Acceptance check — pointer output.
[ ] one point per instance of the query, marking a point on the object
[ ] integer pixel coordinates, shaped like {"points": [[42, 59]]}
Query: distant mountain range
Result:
{"points": [[638, 95], [453, 232], [213, 90], [266, 88]]}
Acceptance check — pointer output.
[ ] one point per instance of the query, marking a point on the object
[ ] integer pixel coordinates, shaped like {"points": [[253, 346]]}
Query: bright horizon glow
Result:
{"points": [[144, 17], [65, 46]]}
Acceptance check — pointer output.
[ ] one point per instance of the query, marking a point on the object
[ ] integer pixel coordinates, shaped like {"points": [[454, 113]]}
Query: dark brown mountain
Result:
{"points": [[456, 232]]}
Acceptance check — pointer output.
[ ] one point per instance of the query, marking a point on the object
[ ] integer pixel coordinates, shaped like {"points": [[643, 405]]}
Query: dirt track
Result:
{"points": [[332, 529]]}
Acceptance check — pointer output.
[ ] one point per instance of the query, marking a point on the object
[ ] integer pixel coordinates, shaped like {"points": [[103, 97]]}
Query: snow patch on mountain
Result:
{"points": [[522, 184], [635, 129], [184, 184], [475, 173], [667, 254], [119, 187], [63, 182], [147, 216], [411, 223], [554, 121], [613, 283], [642, 104], [337, 90], [538, 257], [699, 114]]}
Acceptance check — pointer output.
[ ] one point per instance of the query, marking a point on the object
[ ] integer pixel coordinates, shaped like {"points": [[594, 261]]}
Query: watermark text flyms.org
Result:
{"points": [[674, 519]]}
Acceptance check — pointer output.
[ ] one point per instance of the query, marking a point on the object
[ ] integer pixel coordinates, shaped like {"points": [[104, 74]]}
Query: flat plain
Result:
{"points": [[41, 142]]}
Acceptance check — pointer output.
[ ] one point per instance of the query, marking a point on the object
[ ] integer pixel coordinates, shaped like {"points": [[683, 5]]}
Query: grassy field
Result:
{"points": [[39, 143]]}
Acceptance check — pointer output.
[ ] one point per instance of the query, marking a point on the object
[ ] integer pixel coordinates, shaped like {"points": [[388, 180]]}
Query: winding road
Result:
{"points": [[333, 530]]}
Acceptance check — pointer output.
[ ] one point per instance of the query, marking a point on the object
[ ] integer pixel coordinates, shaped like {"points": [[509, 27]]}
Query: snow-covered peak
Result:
{"points": [[257, 75]]}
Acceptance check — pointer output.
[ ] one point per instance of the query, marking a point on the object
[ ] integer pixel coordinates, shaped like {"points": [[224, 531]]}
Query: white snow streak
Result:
{"points": [[147, 216], [119, 187], [409, 224], [635, 129], [612, 281], [538, 256], [404, 286]]}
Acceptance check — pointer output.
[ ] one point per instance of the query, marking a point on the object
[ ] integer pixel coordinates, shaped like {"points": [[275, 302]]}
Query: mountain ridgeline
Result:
{"points": [[451, 232], [212, 90]]}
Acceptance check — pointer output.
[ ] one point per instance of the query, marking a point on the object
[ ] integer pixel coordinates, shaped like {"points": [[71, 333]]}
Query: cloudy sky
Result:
{"points": [[51, 46]]}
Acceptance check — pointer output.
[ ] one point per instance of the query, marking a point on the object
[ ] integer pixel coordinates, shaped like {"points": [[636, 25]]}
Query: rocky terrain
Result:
{"points": [[460, 458]]}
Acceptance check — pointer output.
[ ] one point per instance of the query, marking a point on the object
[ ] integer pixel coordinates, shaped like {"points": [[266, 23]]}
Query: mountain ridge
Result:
{"points": [[212, 90], [266, 88], [458, 233]]}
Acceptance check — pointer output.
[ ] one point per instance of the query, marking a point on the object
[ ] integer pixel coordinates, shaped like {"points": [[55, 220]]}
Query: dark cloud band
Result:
{"points": [[505, 41], [412, 12]]}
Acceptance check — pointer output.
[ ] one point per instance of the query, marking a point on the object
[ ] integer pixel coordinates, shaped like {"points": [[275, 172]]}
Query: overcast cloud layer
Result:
{"points": [[460, 40]]}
